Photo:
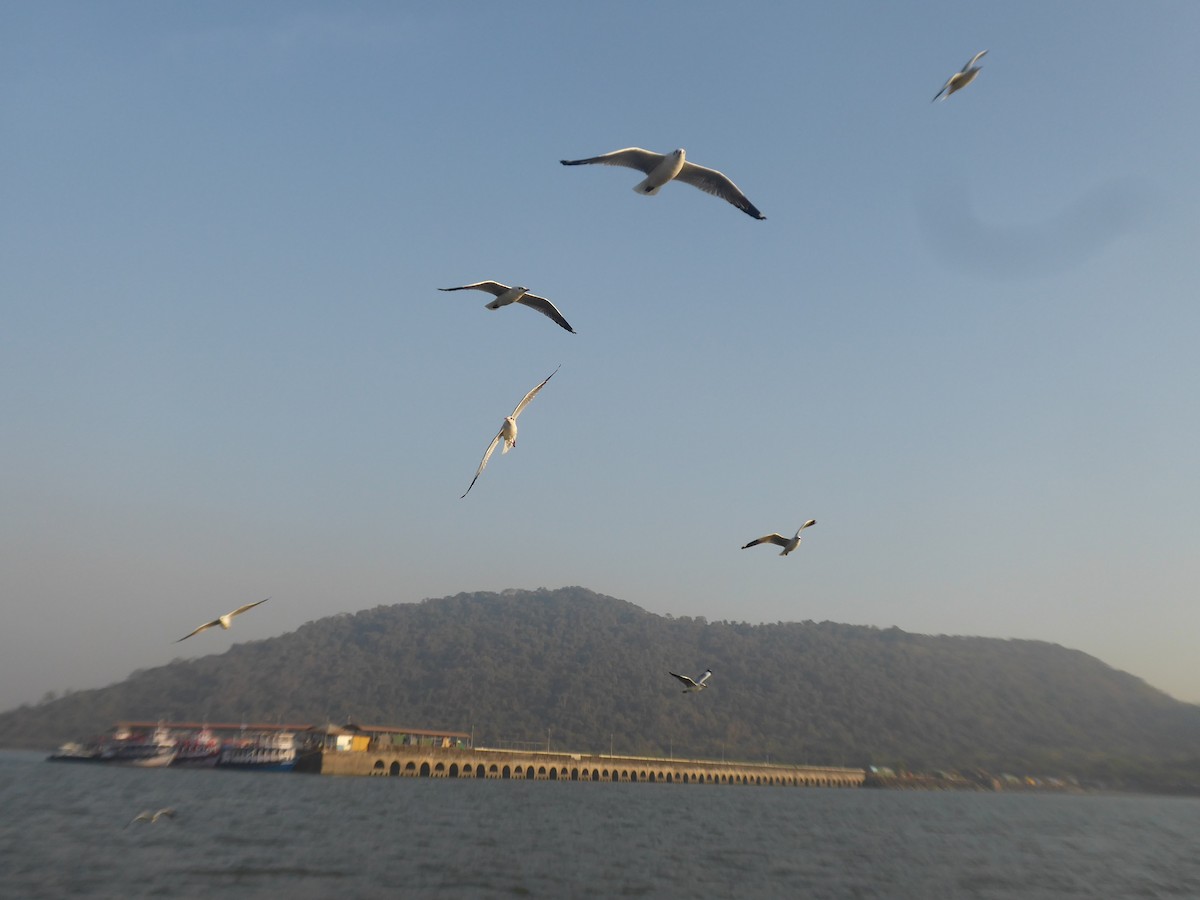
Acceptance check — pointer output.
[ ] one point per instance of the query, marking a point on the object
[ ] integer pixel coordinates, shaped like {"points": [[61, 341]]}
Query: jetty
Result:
{"points": [[390, 751], [407, 753]]}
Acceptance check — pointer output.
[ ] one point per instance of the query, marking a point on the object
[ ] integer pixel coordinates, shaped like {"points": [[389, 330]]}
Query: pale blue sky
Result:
{"points": [[964, 339]]}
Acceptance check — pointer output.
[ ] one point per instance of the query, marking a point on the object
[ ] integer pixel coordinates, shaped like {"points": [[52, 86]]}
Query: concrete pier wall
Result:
{"points": [[430, 762]]}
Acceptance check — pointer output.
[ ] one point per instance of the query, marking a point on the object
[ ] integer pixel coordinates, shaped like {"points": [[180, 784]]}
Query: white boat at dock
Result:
{"points": [[132, 748], [268, 751]]}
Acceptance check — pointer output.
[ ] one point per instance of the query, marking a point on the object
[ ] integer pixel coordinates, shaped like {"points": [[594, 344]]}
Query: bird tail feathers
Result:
{"points": [[646, 188]]}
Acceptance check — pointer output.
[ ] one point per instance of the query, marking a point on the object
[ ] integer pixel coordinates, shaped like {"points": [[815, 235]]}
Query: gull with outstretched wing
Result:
{"points": [[224, 621], [691, 685], [787, 543], [659, 169], [507, 433], [960, 79], [146, 816], [506, 295]]}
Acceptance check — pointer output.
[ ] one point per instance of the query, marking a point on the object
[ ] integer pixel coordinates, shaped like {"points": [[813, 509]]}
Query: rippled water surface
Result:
{"points": [[65, 832]]}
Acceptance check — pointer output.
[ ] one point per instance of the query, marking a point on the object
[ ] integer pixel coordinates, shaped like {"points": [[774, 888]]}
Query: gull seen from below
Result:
{"points": [[788, 544], [507, 432], [660, 169], [961, 79], [224, 621], [506, 295], [690, 686]]}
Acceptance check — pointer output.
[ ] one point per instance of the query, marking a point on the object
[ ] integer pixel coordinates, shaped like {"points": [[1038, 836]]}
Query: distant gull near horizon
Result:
{"points": [[507, 432], [506, 295], [660, 168], [224, 621], [962, 78], [788, 544], [691, 686]]}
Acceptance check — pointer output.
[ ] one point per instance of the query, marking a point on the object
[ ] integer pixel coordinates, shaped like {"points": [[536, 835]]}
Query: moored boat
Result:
{"points": [[199, 750], [72, 751], [264, 752], [139, 749]]}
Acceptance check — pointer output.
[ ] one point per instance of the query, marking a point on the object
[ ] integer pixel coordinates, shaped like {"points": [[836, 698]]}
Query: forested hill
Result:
{"points": [[584, 670]]}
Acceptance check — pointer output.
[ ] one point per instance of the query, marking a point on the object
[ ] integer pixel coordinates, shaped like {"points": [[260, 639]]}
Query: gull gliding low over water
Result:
{"points": [[690, 685], [225, 620], [660, 169], [788, 544], [506, 295], [146, 816], [507, 432], [960, 79]]}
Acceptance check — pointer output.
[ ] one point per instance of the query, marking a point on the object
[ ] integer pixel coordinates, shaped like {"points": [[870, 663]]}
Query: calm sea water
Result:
{"points": [[63, 833]]}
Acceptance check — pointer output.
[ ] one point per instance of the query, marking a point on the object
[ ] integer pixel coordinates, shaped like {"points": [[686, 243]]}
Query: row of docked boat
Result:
{"points": [[265, 751]]}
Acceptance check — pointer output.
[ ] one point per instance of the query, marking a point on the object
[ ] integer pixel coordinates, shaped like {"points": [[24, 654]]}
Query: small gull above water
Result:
{"points": [[147, 816]]}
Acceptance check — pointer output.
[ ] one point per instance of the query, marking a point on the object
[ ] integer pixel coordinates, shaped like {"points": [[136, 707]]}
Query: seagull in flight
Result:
{"points": [[691, 686], [146, 816], [507, 432], [506, 295], [660, 169], [960, 79], [788, 544], [224, 621]]}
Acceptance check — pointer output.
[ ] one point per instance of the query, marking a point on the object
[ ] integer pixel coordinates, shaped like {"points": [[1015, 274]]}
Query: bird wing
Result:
{"points": [[805, 525], [544, 306], [492, 446], [685, 679], [492, 287], [167, 811], [630, 158], [975, 59], [242, 609], [486, 456], [942, 91], [525, 402], [703, 678], [716, 183], [768, 538], [204, 627]]}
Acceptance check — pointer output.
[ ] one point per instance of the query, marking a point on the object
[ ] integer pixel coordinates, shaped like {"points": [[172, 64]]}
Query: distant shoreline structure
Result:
{"points": [[397, 751], [543, 765], [386, 750]]}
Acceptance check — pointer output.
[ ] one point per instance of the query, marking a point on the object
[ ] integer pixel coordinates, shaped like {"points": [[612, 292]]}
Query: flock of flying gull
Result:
{"points": [[659, 169]]}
